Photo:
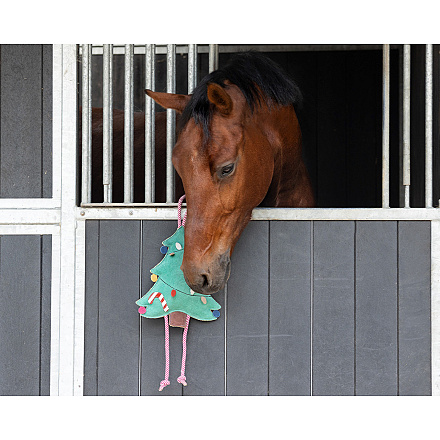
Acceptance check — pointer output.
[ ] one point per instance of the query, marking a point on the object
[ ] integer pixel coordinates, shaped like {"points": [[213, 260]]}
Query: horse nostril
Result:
{"points": [[205, 282]]}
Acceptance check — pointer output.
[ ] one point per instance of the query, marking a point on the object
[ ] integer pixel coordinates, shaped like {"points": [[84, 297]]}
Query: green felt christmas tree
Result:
{"points": [[170, 293]]}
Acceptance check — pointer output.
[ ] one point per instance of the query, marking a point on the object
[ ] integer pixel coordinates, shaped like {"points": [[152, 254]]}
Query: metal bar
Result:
{"points": [[163, 211], [128, 125], [428, 127], [86, 184], [192, 67], [107, 179], [79, 308], [27, 229], [35, 217], [63, 320], [139, 49], [57, 93], [29, 203], [149, 126], [406, 121], [386, 126], [171, 122], [213, 57]]}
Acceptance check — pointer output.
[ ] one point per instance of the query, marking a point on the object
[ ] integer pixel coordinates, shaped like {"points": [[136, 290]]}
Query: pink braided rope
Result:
{"points": [[180, 222], [166, 381], [182, 378]]}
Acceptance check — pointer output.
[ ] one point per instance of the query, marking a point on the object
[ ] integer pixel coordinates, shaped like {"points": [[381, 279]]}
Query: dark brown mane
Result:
{"points": [[258, 78]]}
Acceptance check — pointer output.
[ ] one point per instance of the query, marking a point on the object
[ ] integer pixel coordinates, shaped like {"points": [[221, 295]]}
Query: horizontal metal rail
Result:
{"points": [[161, 49], [168, 212]]}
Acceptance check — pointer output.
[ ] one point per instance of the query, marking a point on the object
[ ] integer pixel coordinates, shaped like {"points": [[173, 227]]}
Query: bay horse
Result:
{"points": [[138, 152], [238, 147]]}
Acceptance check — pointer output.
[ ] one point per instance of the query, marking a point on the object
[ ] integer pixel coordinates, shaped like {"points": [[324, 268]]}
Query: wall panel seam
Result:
{"points": [[268, 308], [312, 286], [41, 315], [354, 307], [398, 303]]}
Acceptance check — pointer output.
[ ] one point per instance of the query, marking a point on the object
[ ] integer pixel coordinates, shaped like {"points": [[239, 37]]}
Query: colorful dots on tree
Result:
{"points": [[142, 310], [173, 293], [163, 250], [154, 278]]}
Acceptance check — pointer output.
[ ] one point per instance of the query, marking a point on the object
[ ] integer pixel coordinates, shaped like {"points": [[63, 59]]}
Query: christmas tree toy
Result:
{"points": [[171, 294]]}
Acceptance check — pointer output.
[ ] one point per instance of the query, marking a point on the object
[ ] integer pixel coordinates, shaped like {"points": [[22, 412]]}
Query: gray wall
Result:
{"points": [[328, 308], [25, 279], [25, 260], [25, 120]]}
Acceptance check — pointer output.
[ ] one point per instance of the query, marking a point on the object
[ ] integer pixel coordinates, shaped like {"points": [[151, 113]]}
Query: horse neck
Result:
{"points": [[290, 186]]}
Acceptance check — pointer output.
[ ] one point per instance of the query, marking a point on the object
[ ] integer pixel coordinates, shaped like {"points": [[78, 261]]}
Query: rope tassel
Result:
{"points": [[182, 378]]}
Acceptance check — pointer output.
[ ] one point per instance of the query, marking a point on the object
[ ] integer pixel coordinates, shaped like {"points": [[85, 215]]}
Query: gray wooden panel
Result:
{"points": [[289, 342], [153, 330], [205, 362], [333, 308], [414, 308], [91, 309], [118, 323], [247, 314], [46, 286], [46, 120], [25, 137], [376, 308], [20, 315]]}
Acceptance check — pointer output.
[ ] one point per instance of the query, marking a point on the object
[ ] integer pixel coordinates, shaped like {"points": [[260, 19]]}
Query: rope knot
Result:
{"points": [[163, 384], [182, 379]]}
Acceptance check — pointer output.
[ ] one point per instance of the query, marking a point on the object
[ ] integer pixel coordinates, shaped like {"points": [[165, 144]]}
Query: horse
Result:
{"points": [[238, 147], [97, 189]]}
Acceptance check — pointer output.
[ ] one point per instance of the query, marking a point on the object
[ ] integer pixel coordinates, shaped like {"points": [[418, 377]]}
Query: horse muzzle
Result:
{"points": [[210, 278]]}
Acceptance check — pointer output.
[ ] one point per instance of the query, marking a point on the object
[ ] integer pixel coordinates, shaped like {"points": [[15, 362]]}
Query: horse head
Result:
{"points": [[225, 175], [238, 145]]}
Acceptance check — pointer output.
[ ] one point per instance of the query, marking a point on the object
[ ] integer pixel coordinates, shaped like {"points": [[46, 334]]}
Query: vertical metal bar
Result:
{"points": [[86, 169], [386, 126], [428, 127], [406, 121], [107, 179], [213, 57], [171, 122], [149, 125], [79, 310], [192, 67], [128, 125], [67, 250]]}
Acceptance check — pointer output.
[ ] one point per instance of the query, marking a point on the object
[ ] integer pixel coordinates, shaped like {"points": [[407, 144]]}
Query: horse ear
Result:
{"points": [[169, 100], [220, 98]]}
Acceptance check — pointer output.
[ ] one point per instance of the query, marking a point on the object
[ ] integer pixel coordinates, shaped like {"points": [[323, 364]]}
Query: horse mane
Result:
{"points": [[257, 76]]}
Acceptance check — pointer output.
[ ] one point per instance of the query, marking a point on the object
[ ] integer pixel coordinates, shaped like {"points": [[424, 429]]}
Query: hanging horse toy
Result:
{"points": [[171, 294]]}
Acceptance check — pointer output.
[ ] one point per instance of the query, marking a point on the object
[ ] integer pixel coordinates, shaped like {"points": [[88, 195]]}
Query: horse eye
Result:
{"points": [[227, 169]]}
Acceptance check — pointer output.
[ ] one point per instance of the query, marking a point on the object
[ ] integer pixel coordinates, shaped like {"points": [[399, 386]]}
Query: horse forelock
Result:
{"points": [[258, 78]]}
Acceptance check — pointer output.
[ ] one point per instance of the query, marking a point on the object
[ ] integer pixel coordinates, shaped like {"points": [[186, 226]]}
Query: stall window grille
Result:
{"points": [[124, 169]]}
